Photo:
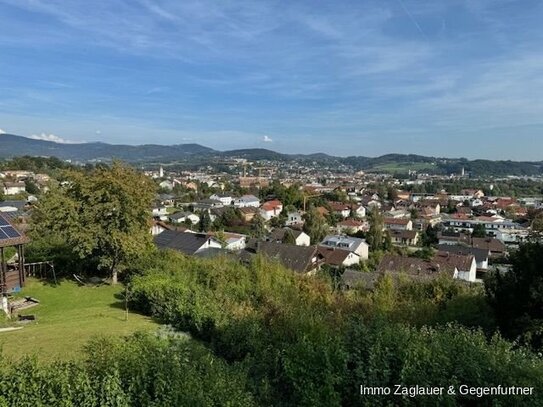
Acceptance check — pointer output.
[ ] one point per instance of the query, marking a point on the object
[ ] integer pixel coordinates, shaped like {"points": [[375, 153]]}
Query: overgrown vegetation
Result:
{"points": [[303, 344]]}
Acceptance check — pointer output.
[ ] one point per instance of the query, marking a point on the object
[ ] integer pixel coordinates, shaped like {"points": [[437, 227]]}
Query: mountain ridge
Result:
{"points": [[12, 145]]}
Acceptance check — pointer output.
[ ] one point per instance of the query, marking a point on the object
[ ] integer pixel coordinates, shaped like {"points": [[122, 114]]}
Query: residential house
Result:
{"points": [[465, 266], [404, 237], [248, 213], [473, 193], [457, 266], [271, 209], [230, 241], [225, 199], [160, 212], [495, 246], [300, 238], [353, 244], [353, 226], [187, 243], [166, 185], [166, 199], [358, 210], [157, 227], [338, 257], [206, 204], [340, 209], [481, 255], [14, 188], [247, 201], [453, 238], [301, 259], [351, 279], [398, 224], [295, 218], [183, 217]]}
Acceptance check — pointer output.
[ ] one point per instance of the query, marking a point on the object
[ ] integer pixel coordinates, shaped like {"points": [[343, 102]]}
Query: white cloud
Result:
{"points": [[267, 139], [53, 138], [2, 131]]}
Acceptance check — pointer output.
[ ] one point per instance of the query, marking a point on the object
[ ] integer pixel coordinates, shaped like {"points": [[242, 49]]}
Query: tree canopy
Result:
{"points": [[103, 214]]}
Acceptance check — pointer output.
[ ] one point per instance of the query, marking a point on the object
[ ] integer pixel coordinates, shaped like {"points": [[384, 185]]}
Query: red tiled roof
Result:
{"points": [[396, 221], [271, 205]]}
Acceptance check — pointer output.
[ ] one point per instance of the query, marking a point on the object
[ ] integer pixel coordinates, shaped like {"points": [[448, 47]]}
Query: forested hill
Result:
{"points": [[13, 145]]}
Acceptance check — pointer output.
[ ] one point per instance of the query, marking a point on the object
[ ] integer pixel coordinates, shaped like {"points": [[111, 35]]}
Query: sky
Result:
{"points": [[449, 78]]}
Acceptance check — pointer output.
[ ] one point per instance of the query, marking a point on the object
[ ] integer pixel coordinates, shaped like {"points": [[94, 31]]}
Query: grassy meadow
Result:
{"points": [[67, 317]]}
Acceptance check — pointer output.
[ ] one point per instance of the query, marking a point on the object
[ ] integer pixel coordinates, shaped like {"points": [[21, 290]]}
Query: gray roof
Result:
{"points": [[479, 254], [343, 242], [297, 258], [354, 278], [279, 233], [188, 243], [19, 204], [179, 215], [248, 198]]}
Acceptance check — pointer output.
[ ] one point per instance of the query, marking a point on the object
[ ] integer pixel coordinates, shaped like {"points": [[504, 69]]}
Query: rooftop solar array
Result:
{"points": [[7, 231]]}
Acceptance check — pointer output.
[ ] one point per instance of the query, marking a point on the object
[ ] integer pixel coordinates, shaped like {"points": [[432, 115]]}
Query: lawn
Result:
{"points": [[404, 167], [67, 316]]}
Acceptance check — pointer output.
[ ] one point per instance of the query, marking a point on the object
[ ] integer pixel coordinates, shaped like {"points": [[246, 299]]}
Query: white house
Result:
{"points": [[352, 244], [294, 218], [222, 198], [160, 212], [14, 188], [182, 217], [167, 185], [247, 201], [271, 209], [232, 241], [359, 211], [398, 224], [300, 238], [338, 257]]}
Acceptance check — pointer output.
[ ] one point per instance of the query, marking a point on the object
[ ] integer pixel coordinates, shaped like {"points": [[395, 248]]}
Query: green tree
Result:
{"points": [[289, 237], [31, 187], [375, 235], [537, 223], [205, 222], [429, 236], [258, 227], [103, 214], [315, 225], [479, 230], [517, 296]]}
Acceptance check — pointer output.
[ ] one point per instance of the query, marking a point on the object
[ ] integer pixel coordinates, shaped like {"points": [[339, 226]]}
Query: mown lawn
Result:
{"points": [[67, 317]]}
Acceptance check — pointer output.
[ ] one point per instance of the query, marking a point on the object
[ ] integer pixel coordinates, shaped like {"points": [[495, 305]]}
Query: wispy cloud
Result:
{"points": [[267, 139], [2, 131], [53, 138]]}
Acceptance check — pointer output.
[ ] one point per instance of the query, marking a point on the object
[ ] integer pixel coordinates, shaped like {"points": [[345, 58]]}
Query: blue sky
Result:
{"points": [[446, 78]]}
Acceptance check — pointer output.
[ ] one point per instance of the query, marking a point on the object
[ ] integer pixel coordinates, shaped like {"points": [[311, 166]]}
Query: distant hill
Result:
{"points": [[12, 146]]}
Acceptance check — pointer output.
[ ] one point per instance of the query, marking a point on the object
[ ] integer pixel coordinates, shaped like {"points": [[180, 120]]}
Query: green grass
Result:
{"points": [[403, 167], [67, 317]]}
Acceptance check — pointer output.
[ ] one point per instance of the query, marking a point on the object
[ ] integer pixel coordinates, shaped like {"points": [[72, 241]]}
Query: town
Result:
{"points": [[309, 218]]}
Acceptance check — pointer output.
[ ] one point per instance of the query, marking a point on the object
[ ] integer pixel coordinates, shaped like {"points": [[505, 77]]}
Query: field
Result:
{"points": [[67, 316], [403, 167]]}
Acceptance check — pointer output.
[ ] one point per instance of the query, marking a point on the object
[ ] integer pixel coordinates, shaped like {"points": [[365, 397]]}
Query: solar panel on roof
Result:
{"points": [[11, 232], [3, 236], [3, 222]]}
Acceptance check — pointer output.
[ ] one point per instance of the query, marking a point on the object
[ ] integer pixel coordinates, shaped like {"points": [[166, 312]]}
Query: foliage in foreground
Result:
{"points": [[142, 370], [308, 346]]}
